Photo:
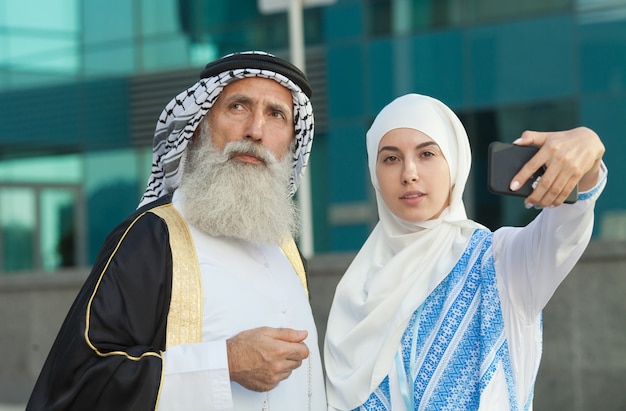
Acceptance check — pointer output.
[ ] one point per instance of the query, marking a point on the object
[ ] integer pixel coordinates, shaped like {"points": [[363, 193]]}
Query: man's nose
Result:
{"points": [[254, 126]]}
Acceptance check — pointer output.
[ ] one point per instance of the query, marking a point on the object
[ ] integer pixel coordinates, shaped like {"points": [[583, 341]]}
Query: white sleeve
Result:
{"points": [[532, 261], [196, 377]]}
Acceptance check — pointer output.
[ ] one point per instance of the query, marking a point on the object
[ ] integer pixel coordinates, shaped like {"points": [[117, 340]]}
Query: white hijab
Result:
{"points": [[401, 262]]}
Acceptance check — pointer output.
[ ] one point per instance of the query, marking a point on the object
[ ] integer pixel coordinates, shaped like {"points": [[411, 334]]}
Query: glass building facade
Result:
{"points": [[82, 84]]}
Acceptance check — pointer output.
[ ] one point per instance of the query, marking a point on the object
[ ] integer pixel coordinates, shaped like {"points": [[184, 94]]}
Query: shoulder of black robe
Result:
{"points": [[108, 353]]}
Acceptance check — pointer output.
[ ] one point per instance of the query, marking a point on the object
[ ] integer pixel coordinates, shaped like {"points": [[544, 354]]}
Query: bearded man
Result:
{"points": [[198, 300]]}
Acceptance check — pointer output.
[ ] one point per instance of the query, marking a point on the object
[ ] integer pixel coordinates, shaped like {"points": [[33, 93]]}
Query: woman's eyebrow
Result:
{"points": [[417, 147], [388, 148], [426, 144]]}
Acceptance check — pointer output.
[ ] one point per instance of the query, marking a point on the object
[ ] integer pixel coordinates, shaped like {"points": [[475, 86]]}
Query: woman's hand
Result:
{"points": [[571, 157]]}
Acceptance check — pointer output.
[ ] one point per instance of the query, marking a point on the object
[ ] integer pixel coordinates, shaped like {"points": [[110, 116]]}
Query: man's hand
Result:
{"points": [[260, 358], [571, 157]]}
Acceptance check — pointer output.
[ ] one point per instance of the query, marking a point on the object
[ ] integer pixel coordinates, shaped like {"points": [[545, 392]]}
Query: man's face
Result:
{"points": [[257, 109]]}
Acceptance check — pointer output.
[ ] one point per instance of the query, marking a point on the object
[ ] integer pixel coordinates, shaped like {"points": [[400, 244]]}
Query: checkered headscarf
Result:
{"points": [[181, 116]]}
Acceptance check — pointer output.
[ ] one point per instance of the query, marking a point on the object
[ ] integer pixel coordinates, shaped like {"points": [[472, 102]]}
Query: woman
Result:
{"points": [[436, 312]]}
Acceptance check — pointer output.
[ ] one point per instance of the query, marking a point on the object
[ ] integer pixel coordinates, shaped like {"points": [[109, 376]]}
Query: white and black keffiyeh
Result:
{"points": [[183, 114]]}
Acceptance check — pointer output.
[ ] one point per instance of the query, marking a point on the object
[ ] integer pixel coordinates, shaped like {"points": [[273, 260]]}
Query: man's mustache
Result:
{"points": [[249, 148]]}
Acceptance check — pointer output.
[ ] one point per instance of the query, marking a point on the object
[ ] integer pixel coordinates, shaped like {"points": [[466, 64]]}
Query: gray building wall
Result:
{"points": [[584, 362]]}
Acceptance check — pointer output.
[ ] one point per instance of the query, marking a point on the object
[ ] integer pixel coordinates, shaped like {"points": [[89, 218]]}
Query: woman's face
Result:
{"points": [[413, 175]]}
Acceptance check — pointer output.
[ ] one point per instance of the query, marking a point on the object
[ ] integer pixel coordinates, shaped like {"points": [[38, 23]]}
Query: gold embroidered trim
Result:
{"points": [[291, 251], [184, 321]]}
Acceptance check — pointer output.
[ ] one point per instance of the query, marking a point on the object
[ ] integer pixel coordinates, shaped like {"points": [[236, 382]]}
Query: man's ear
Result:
{"points": [[195, 137]]}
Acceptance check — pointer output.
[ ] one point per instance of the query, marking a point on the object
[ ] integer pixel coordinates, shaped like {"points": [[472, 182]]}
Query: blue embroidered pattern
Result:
{"points": [[379, 400], [593, 191], [455, 341]]}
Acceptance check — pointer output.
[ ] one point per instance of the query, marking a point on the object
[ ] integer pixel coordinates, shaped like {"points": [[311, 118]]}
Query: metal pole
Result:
{"points": [[296, 51]]}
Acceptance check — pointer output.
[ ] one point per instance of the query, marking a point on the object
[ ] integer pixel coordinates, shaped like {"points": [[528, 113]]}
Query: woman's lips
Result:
{"points": [[412, 196]]}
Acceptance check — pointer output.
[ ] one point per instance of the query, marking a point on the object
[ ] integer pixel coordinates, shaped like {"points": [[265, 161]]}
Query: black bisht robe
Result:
{"points": [[115, 364]]}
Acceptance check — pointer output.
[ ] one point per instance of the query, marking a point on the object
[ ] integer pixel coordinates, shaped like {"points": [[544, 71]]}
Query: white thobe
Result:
{"points": [[244, 286]]}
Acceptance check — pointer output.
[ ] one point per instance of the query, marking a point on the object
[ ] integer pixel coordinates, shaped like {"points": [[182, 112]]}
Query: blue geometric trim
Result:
{"points": [[379, 400], [588, 194], [455, 341]]}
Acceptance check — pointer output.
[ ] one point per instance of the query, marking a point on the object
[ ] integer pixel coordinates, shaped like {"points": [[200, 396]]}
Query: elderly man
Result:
{"points": [[198, 301]]}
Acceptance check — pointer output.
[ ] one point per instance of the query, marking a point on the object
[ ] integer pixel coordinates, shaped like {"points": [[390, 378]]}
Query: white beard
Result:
{"points": [[226, 197]]}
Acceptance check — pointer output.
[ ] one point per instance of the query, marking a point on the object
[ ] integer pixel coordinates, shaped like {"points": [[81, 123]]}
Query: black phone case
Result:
{"points": [[504, 161]]}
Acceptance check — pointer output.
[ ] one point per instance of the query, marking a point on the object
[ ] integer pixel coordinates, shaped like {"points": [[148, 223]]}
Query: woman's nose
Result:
{"points": [[409, 174]]}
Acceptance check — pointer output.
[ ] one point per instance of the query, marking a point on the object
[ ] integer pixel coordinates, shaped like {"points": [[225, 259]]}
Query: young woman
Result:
{"points": [[436, 312]]}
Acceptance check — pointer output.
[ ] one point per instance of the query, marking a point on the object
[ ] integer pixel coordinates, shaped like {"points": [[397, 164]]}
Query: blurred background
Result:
{"points": [[82, 83]]}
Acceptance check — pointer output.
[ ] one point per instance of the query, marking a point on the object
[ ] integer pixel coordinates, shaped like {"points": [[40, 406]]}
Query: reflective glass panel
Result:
{"points": [[385, 17], [64, 169], [39, 35], [17, 228], [57, 228]]}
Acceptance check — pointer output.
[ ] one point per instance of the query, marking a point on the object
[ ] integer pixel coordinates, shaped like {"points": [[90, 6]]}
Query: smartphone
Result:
{"points": [[505, 160]]}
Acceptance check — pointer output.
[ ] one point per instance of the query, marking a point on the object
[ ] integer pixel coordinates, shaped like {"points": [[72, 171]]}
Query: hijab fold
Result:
{"points": [[400, 263]]}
